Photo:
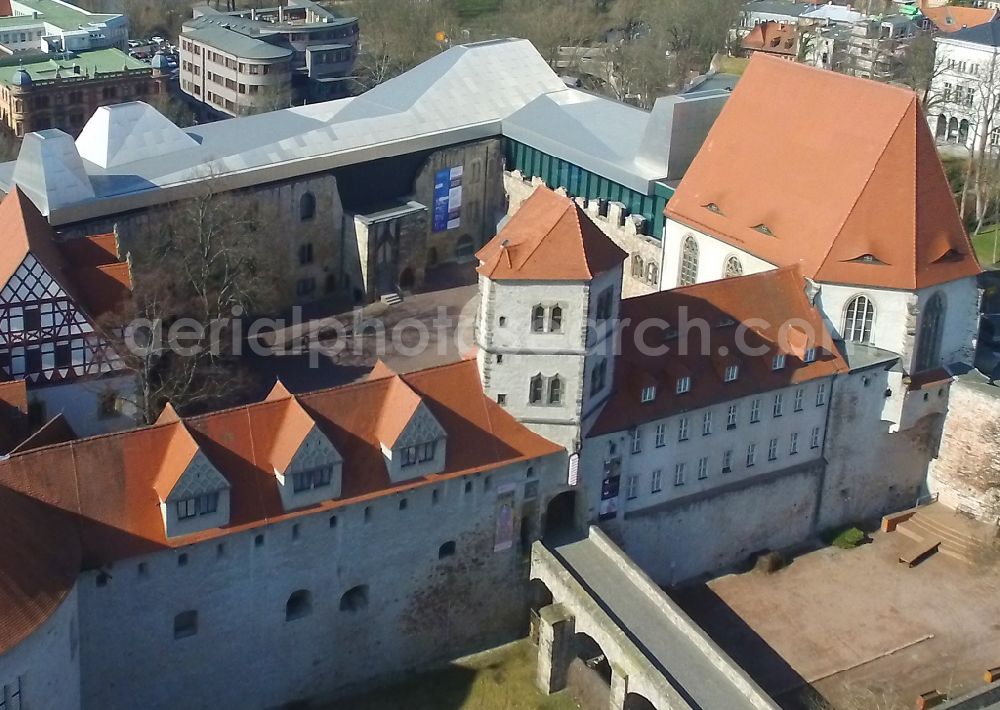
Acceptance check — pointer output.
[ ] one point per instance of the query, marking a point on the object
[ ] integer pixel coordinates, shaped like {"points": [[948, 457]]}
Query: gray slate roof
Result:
{"points": [[987, 34]]}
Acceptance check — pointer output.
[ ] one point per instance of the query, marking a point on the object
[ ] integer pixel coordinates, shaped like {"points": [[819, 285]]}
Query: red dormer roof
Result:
{"points": [[113, 484], [862, 202], [747, 323], [88, 269], [549, 239]]}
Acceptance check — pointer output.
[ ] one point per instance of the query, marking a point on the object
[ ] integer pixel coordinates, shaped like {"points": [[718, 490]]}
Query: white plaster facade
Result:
{"points": [[965, 83], [43, 671], [510, 354], [420, 607]]}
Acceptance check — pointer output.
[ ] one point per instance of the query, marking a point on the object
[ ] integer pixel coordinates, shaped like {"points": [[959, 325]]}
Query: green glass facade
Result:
{"points": [[583, 183]]}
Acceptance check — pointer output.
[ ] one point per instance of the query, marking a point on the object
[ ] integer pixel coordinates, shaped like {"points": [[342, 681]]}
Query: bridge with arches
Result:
{"points": [[594, 601]]}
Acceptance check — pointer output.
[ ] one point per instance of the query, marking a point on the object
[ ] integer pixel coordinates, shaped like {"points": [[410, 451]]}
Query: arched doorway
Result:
{"points": [[560, 518], [406, 279], [952, 129], [963, 132], [941, 128]]}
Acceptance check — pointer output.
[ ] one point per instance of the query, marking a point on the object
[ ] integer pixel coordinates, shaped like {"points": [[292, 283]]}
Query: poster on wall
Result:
{"points": [[608, 508], [447, 199], [504, 539]]}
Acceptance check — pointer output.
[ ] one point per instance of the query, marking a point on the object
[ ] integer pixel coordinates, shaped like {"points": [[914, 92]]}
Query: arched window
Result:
{"points": [[689, 262], [555, 391], [535, 391], [858, 319], [652, 274], [307, 207], [555, 319], [446, 550], [637, 266], [355, 598], [929, 344], [734, 267], [299, 604], [538, 319]]}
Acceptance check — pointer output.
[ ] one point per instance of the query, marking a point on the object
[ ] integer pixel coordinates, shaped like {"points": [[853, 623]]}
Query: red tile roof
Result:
{"points": [[772, 37], [951, 18], [88, 269], [862, 201], [549, 239], [40, 557], [777, 316], [113, 483]]}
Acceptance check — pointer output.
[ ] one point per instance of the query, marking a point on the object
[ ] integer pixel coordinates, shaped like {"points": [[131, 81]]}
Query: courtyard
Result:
{"points": [[853, 629]]}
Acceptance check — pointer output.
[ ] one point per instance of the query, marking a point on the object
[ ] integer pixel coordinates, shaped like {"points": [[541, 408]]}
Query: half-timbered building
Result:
{"points": [[51, 295]]}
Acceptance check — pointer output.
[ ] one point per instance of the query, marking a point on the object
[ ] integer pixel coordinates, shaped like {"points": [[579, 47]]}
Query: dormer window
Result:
{"points": [[810, 355], [312, 478], [648, 394], [778, 362], [199, 505], [683, 385], [732, 372], [420, 453]]}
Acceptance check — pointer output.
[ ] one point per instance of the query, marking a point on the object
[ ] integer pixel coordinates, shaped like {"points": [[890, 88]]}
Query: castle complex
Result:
{"points": [[785, 367]]}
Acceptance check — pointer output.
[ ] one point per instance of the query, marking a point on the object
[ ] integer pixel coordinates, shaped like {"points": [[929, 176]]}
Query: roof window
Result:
{"points": [[764, 229]]}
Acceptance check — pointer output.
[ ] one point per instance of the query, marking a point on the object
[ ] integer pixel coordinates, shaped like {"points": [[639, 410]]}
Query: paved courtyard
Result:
{"points": [[862, 629]]}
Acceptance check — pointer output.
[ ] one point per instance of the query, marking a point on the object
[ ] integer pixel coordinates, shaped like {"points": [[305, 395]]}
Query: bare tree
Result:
{"points": [[397, 35], [921, 69], [982, 97], [211, 262]]}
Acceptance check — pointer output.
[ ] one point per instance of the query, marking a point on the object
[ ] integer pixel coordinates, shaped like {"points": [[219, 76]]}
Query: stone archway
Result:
{"points": [[963, 131], [941, 128], [952, 129], [637, 702], [407, 279], [560, 518]]}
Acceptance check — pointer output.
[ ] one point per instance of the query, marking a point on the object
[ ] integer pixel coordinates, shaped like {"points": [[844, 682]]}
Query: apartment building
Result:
{"points": [[263, 60]]}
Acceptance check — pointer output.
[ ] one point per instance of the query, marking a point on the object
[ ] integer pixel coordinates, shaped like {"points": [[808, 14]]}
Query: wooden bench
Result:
{"points": [[917, 551]]}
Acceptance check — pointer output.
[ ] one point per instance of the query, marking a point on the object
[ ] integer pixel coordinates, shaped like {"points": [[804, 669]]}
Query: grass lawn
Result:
{"points": [[501, 679], [983, 244]]}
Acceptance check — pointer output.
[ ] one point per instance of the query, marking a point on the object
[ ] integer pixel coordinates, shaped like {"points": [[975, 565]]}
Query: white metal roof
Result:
{"points": [[129, 156]]}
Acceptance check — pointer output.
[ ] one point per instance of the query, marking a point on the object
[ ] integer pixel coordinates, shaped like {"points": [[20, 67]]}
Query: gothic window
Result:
{"points": [[733, 267], [307, 207], [637, 266], [299, 604], [538, 319], [652, 274], [689, 262], [931, 322], [555, 319], [535, 391], [858, 319], [555, 391]]}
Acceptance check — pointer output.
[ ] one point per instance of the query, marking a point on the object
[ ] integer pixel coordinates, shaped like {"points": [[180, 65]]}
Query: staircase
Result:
{"points": [[959, 537], [391, 299]]}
